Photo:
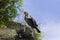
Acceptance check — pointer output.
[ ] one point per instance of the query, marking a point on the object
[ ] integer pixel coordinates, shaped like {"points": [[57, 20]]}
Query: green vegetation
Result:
{"points": [[8, 10], [39, 36]]}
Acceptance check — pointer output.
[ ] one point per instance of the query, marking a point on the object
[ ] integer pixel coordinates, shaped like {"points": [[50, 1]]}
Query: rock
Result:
{"points": [[17, 31], [15, 25], [6, 33]]}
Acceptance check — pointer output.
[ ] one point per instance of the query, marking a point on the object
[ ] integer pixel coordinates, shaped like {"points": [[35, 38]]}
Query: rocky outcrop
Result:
{"points": [[17, 31]]}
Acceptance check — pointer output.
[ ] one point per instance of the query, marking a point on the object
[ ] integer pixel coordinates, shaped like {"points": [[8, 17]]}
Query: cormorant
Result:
{"points": [[31, 22]]}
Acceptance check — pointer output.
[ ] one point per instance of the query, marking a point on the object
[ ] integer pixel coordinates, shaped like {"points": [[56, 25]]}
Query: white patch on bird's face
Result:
{"points": [[28, 16]]}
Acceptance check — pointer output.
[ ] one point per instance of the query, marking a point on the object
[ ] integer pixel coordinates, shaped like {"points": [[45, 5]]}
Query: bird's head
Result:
{"points": [[25, 14]]}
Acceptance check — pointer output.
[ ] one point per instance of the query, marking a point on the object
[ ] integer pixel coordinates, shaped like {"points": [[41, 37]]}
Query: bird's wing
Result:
{"points": [[35, 24]]}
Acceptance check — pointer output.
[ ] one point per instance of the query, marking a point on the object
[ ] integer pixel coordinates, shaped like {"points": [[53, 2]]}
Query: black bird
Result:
{"points": [[31, 22]]}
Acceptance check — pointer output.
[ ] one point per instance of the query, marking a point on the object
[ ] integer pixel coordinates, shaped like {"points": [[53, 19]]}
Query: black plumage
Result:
{"points": [[31, 22]]}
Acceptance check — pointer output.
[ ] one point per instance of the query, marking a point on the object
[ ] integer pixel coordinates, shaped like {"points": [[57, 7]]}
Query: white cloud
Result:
{"points": [[51, 30]]}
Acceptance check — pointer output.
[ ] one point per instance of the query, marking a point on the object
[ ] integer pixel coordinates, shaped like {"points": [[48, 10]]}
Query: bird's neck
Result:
{"points": [[27, 17]]}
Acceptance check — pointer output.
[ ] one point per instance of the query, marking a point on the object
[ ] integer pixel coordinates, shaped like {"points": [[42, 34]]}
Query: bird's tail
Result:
{"points": [[38, 30]]}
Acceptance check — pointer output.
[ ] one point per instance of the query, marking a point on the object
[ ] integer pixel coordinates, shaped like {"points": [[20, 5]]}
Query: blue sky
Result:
{"points": [[47, 14]]}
